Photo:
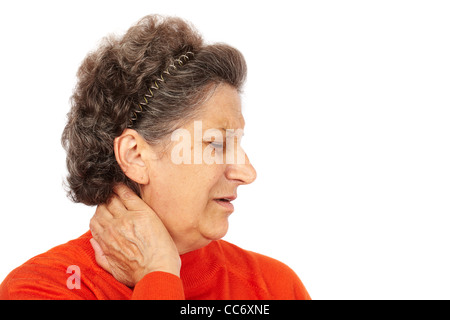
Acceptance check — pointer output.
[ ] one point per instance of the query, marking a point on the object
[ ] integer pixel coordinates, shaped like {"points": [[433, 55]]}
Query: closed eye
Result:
{"points": [[216, 145]]}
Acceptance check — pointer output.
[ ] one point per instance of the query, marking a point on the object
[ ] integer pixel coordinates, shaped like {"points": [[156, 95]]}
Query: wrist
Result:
{"points": [[174, 271], [172, 267]]}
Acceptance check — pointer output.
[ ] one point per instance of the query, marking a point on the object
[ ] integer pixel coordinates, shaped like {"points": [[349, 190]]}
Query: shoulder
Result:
{"points": [[279, 278], [51, 275]]}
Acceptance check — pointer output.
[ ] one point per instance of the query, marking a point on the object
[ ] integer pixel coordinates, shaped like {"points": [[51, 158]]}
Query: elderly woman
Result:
{"points": [[153, 140]]}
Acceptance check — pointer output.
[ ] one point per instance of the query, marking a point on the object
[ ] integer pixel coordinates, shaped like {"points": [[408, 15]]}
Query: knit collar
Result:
{"points": [[199, 266]]}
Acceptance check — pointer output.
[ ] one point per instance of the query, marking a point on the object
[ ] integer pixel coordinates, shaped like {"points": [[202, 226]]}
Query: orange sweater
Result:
{"points": [[220, 270]]}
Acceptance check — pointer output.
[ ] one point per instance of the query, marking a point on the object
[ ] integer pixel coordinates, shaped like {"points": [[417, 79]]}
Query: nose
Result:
{"points": [[244, 173]]}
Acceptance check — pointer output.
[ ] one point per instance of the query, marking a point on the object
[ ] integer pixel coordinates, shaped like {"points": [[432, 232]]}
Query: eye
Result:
{"points": [[216, 145]]}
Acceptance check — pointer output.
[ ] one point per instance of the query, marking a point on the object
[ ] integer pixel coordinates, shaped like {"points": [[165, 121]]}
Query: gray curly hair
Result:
{"points": [[114, 79]]}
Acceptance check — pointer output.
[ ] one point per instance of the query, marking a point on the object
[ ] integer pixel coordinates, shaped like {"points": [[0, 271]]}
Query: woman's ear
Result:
{"points": [[131, 152]]}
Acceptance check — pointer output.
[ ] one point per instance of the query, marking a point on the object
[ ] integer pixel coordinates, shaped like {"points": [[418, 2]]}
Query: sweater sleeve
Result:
{"points": [[159, 286]]}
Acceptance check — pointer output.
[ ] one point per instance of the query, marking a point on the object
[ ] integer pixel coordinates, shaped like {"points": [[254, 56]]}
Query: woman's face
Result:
{"points": [[186, 194]]}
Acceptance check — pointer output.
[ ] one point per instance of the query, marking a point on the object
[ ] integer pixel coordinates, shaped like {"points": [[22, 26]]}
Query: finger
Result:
{"points": [[115, 207], [100, 221], [97, 229], [130, 199], [100, 255], [103, 230]]}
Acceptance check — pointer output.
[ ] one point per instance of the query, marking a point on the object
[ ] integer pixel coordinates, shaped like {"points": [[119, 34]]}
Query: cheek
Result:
{"points": [[180, 194]]}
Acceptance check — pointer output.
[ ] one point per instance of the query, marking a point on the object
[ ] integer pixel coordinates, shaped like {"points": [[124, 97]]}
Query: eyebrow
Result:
{"points": [[230, 133], [236, 132]]}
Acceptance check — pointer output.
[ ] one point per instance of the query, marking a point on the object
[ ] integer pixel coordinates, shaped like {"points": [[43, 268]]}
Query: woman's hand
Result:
{"points": [[130, 240]]}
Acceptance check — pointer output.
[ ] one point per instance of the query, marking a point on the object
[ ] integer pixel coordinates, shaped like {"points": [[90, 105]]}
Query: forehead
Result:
{"points": [[223, 109]]}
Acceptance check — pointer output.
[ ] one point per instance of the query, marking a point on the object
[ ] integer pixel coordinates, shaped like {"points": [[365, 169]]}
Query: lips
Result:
{"points": [[227, 198], [226, 202]]}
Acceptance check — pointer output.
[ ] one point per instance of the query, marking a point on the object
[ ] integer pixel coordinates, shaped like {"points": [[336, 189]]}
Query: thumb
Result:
{"points": [[100, 255]]}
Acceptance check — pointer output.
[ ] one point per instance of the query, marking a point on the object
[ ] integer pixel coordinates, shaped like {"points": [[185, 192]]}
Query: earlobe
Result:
{"points": [[128, 149]]}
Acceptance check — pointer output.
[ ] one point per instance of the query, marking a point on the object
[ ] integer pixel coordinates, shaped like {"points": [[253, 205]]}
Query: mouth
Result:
{"points": [[226, 202]]}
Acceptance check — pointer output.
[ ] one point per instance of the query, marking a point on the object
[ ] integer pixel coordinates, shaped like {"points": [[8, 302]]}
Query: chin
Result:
{"points": [[201, 237], [216, 232]]}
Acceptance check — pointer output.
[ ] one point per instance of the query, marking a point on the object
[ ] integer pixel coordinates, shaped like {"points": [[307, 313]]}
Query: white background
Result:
{"points": [[347, 107]]}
